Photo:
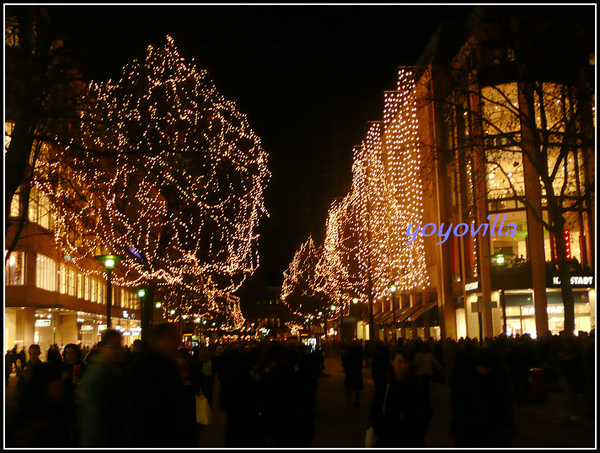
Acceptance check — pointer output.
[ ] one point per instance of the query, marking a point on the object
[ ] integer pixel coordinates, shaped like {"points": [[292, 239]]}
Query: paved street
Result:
{"points": [[341, 425]]}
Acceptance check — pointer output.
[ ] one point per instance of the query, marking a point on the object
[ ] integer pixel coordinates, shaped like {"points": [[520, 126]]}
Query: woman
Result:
{"points": [[401, 409]]}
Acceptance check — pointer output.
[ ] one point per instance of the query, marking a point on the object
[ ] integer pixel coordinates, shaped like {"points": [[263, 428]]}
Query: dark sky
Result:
{"points": [[308, 78]]}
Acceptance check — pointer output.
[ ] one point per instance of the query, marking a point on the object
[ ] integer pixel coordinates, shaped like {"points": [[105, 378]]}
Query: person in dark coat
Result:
{"points": [[101, 415], [401, 410], [158, 397], [352, 364], [240, 398], [482, 404]]}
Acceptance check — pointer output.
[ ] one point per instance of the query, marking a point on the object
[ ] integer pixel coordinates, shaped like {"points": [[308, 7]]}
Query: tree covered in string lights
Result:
{"points": [[168, 174], [365, 247], [299, 290]]}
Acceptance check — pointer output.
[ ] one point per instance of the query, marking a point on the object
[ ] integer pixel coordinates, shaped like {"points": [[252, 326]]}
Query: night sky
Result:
{"points": [[308, 78]]}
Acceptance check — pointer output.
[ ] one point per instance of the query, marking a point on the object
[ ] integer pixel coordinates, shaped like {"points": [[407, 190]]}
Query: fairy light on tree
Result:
{"points": [[365, 245], [168, 168], [299, 291]]}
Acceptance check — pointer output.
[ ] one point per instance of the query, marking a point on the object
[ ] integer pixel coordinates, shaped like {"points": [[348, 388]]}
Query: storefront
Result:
{"points": [[520, 312]]}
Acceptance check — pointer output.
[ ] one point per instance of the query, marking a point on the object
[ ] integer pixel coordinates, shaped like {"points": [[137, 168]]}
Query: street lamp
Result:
{"points": [[500, 259], [393, 289], [109, 262]]}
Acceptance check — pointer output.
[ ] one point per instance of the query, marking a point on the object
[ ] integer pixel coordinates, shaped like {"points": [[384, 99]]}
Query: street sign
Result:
{"points": [[477, 307]]}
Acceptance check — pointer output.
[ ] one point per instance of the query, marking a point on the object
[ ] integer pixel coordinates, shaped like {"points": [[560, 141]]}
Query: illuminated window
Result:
{"points": [[87, 288], [8, 130], [80, 283], [93, 290], [71, 282], [15, 205], [501, 113], [566, 170], [14, 271], [556, 100], [62, 278], [45, 273], [39, 210], [504, 175], [11, 32]]}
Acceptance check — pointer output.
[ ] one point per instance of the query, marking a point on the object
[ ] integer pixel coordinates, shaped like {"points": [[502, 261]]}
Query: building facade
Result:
{"points": [[486, 124], [47, 298], [505, 111]]}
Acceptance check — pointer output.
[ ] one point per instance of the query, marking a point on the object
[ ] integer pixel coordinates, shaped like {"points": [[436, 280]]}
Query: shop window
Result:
{"points": [[517, 245], [14, 272], [45, 273]]}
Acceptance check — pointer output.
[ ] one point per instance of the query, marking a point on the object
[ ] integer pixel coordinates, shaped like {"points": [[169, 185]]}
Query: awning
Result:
{"points": [[378, 316], [422, 309], [387, 318], [408, 311]]}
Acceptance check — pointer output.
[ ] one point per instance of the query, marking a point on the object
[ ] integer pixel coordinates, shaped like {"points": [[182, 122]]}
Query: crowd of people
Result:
{"points": [[145, 396]]}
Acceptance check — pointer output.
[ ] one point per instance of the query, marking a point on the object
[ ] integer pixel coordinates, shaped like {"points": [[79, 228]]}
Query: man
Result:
{"points": [[158, 397], [102, 390]]}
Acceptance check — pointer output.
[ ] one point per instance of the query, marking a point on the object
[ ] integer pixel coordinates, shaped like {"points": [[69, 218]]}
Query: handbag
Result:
{"points": [[203, 412], [370, 438]]}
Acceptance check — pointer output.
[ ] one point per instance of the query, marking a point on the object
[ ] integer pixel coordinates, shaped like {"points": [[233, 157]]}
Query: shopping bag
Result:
{"points": [[203, 413], [370, 439]]}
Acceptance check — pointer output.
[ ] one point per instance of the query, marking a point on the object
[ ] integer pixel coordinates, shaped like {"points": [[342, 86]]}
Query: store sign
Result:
{"points": [[43, 323], [551, 309], [87, 328], [136, 329], [576, 280], [126, 333], [471, 286]]}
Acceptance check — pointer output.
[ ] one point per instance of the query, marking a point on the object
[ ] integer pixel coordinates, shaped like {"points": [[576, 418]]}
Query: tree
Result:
{"points": [[43, 93], [299, 291], [168, 174]]}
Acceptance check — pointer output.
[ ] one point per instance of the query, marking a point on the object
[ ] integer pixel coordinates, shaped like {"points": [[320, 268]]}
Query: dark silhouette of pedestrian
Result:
{"points": [[8, 366], [352, 365], [482, 405], [401, 410], [101, 414], [240, 398], [157, 395]]}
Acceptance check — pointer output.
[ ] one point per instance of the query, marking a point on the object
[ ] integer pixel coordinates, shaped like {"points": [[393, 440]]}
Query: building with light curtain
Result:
{"points": [[474, 96], [477, 103]]}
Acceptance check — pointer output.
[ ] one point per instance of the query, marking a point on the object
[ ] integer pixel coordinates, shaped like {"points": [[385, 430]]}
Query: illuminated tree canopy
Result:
{"points": [[168, 174], [365, 248]]}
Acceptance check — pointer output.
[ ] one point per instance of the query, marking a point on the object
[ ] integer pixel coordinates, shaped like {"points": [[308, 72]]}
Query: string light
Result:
{"points": [[174, 183], [365, 231]]}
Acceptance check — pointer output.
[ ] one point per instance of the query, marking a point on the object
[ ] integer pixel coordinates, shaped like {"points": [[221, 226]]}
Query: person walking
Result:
{"points": [[426, 364], [352, 364], [157, 394], [482, 405], [101, 417], [401, 410]]}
